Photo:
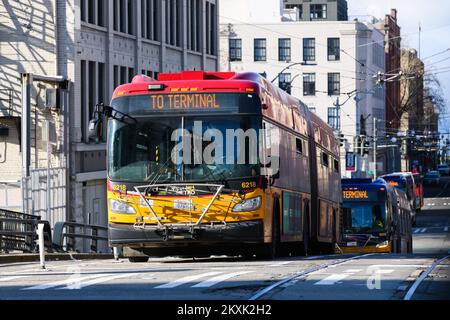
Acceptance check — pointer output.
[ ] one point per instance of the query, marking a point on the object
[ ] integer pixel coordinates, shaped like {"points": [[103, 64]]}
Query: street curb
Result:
{"points": [[33, 257]]}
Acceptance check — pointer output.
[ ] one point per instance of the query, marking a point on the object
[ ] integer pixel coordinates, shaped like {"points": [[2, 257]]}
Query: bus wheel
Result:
{"points": [[272, 250], [138, 259]]}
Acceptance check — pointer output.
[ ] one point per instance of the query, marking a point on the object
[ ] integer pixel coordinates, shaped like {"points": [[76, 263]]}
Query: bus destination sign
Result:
{"points": [[184, 101]]}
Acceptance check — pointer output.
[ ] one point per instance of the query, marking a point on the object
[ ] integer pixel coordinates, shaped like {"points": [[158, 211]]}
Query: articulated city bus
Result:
{"points": [[276, 188], [376, 218]]}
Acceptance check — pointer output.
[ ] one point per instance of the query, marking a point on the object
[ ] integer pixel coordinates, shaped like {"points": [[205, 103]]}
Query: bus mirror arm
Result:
{"points": [[100, 111], [109, 112]]}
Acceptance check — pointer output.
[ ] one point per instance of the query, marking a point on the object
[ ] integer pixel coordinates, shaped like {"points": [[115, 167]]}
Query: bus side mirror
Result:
{"points": [[94, 129]]}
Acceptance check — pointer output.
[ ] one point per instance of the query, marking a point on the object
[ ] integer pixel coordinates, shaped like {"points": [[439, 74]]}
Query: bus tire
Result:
{"points": [[271, 250], [138, 259]]}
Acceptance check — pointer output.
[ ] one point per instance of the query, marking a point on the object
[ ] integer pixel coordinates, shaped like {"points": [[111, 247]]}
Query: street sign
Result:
{"points": [[350, 161]]}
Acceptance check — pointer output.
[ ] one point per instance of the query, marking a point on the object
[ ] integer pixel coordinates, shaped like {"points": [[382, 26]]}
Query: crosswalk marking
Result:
{"points": [[423, 230], [210, 282], [353, 270], [181, 281], [96, 281], [279, 264], [69, 281], [330, 280], [446, 229], [11, 278]]}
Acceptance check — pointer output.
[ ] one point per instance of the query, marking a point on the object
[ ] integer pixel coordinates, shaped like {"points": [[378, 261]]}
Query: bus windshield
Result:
{"points": [[143, 151], [364, 217]]}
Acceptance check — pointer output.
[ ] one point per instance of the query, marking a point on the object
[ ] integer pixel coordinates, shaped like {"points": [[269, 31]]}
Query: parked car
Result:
{"points": [[432, 177], [444, 169]]}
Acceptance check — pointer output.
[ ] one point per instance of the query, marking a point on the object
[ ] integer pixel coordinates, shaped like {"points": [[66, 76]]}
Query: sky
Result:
{"points": [[434, 18]]}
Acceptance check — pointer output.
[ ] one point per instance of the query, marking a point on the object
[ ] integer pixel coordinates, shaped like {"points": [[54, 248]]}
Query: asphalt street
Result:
{"points": [[348, 277]]}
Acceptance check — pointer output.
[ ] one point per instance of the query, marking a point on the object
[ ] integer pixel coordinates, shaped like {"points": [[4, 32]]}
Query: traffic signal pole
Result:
{"points": [[374, 148]]}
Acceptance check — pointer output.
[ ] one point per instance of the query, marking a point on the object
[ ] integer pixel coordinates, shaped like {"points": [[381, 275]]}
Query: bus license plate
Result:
{"points": [[182, 204], [352, 244]]}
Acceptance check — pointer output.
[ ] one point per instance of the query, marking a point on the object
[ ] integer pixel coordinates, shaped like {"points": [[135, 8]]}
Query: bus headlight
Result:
{"points": [[248, 205], [120, 207], [382, 244]]}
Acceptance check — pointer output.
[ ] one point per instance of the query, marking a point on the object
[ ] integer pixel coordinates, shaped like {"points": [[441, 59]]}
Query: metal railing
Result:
{"points": [[18, 232], [65, 233]]}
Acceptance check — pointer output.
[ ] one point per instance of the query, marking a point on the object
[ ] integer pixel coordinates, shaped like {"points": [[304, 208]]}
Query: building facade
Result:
{"points": [[412, 110], [323, 63], [318, 10], [392, 49], [95, 45]]}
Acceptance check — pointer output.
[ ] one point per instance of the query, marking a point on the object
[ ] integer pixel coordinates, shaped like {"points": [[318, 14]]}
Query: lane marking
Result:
{"points": [[12, 278], [353, 270], [416, 230], [416, 284], [386, 271], [96, 281], [423, 230], [263, 291], [331, 280], [210, 282], [446, 229], [181, 281], [279, 264], [71, 280], [312, 257]]}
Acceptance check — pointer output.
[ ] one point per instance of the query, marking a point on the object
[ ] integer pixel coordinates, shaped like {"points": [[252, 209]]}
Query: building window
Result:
{"points": [[235, 49], [149, 19], [336, 165], [93, 83], [309, 49], [173, 22], [334, 49], [193, 20], [123, 16], [334, 120], [284, 50], [299, 7], [93, 12], [284, 82], [334, 84], [260, 50], [309, 84], [318, 11], [210, 28]]}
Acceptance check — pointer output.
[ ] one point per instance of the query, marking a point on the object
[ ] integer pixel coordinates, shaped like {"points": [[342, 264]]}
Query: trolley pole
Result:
{"points": [[374, 148]]}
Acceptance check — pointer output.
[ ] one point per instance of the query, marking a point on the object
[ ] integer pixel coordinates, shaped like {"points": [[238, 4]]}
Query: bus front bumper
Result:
{"points": [[361, 249], [234, 233]]}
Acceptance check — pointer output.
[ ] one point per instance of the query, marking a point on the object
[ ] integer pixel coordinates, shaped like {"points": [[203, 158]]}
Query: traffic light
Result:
{"points": [[357, 145], [341, 140], [366, 147]]}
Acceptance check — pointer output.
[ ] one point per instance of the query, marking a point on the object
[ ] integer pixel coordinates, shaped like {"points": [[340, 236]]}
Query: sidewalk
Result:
{"points": [[32, 257]]}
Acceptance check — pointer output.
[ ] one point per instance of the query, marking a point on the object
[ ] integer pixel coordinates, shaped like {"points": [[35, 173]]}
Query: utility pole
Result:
{"points": [[374, 148]]}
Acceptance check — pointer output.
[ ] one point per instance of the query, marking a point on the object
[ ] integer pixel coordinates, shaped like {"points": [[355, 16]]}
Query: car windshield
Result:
{"points": [[364, 217], [432, 175]]}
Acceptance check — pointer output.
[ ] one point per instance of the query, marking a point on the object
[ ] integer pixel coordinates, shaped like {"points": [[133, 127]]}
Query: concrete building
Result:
{"points": [[95, 45], [319, 62], [392, 49], [319, 10]]}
